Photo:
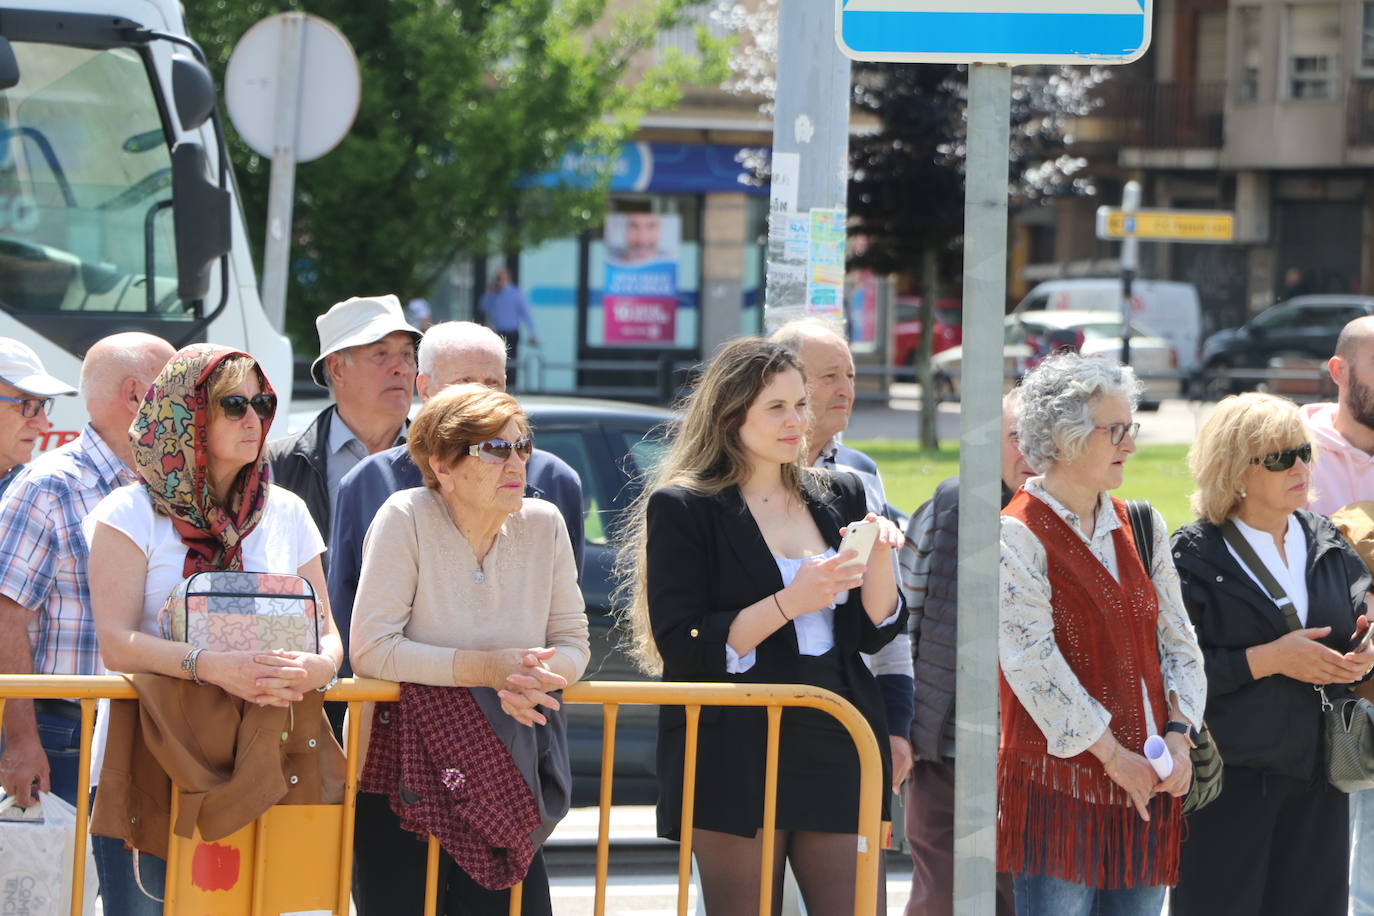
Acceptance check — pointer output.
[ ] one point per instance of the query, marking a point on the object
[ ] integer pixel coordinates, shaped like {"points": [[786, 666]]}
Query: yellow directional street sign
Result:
{"points": [[1166, 225]]}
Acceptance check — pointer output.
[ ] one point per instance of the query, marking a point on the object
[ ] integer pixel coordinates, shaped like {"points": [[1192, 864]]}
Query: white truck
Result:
{"points": [[117, 208]]}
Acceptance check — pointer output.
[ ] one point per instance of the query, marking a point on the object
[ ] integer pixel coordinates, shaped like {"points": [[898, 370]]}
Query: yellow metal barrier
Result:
{"points": [[611, 695]]}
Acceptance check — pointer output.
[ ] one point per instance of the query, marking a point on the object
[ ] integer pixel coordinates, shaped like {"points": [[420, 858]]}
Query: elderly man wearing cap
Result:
{"points": [[26, 394], [45, 614], [367, 360]]}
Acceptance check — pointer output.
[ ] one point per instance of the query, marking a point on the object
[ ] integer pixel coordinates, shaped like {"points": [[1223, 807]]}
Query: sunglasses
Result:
{"points": [[29, 407], [1119, 431], [1283, 460], [497, 451], [235, 406]]}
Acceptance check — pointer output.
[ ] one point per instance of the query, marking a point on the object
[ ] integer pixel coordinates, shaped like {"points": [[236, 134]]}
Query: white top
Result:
{"points": [[1036, 670], [284, 540], [1291, 576], [815, 629]]}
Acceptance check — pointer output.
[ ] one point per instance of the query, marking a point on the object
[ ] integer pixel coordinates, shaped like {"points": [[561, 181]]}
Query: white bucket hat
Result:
{"points": [[21, 367], [356, 322]]}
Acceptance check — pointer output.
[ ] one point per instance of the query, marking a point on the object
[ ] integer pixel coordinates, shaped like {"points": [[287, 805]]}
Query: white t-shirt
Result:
{"points": [[283, 541]]}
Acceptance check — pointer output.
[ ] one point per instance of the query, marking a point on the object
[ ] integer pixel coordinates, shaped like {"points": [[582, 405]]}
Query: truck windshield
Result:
{"points": [[85, 190]]}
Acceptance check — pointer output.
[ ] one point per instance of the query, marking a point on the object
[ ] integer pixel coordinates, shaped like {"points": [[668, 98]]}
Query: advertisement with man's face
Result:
{"points": [[640, 296]]}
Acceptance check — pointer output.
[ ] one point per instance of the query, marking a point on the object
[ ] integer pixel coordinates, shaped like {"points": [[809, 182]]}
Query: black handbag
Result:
{"points": [[1347, 722], [1206, 759]]}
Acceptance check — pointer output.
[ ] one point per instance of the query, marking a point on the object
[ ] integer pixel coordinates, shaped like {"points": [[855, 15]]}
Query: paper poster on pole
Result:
{"points": [[639, 300], [825, 261]]}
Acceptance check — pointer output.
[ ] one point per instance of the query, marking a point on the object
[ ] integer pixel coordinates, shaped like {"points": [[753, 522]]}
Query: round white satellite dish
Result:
{"points": [[330, 85]]}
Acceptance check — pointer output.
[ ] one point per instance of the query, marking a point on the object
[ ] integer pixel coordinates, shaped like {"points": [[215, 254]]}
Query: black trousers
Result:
{"points": [[389, 873], [1268, 846]]}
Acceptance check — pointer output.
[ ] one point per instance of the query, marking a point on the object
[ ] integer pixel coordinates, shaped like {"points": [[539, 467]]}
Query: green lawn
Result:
{"points": [[1158, 473]]}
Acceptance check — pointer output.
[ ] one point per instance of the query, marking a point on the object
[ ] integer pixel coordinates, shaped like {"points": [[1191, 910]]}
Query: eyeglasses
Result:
{"points": [[498, 450], [1283, 460], [235, 406], [29, 407], [1119, 431]]}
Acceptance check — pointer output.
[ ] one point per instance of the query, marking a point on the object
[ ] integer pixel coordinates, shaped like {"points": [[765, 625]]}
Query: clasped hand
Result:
{"points": [[1132, 772], [276, 678], [528, 686]]}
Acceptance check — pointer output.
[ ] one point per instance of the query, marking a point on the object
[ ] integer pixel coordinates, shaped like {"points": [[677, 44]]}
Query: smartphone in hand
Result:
{"points": [[1358, 646], [859, 537]]}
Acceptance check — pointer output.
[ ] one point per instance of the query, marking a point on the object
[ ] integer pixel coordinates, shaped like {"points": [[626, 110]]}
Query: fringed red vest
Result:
{"points": [[1065, 817]]}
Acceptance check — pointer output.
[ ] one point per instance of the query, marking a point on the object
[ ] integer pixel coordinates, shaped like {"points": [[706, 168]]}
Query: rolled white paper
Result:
{"points": [[1157, 752]]}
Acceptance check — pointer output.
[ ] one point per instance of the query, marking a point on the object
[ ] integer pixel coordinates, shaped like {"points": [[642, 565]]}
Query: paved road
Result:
{"points": [[643, 869]]}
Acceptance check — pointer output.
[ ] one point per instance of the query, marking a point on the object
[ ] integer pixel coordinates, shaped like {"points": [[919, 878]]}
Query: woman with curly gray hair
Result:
{"points": [[1097, 655]]}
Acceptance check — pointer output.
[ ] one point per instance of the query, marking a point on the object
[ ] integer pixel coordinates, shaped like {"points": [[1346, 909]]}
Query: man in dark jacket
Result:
{"points": [[451, 353], [929, 563], [367, 361]]}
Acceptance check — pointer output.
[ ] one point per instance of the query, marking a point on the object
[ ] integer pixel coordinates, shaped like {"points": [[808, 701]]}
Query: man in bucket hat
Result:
{"points": [[367, 360], [26, 394]]}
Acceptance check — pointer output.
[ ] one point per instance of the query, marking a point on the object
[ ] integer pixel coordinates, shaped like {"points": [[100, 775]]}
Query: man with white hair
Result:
{"points": [[451, 353], [367, 361], [45, 615], [830, 388]]}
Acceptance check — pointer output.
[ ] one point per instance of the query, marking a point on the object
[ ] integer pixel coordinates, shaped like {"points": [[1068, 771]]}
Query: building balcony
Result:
{"points": [[1165, 116], [1359, 113]]}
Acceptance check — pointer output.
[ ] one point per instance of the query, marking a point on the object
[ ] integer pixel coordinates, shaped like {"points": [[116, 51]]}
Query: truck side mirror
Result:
{"points": [[193, 90], [200, 217], [9, 65]]}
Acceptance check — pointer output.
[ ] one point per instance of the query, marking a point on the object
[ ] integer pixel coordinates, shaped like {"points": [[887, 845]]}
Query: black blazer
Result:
{"points": [[707, 560], [1272, 724]]}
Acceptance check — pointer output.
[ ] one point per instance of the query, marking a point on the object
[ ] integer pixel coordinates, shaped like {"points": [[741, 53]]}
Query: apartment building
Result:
{"points": [[1263, 107]]}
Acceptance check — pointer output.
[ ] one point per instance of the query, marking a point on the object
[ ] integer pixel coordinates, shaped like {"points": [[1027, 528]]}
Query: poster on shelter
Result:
{"points": [[639, 298]]}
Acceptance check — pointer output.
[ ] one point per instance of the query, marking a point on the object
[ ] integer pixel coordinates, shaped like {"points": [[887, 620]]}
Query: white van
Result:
{"points": [[117, 212], [1170, 308]]}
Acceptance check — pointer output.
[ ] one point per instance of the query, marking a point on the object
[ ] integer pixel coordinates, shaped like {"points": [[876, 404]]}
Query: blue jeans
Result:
{"points": [[1042, 895], [61, 740], [119, 891]]}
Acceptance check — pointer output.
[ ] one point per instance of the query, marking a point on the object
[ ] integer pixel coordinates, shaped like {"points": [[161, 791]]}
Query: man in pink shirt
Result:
{"points": [[1344, 432], [1343, 473]]}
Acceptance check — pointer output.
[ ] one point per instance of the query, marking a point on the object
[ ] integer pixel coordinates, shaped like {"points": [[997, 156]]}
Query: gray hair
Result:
{"points": [[795, 333], [1055, 416], [450, 336]]}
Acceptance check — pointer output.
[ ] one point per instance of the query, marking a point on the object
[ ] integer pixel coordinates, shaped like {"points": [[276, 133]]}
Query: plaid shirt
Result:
{"points": [[44, 552]]}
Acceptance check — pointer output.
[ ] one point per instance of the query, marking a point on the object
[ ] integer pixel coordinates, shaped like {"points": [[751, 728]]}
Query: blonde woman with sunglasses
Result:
{"points": [[1277, 598], [468, 585]]}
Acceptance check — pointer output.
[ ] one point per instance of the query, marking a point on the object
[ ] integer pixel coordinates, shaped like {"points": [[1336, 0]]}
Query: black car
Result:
{"points": [[611, 445], [1304, 327]]}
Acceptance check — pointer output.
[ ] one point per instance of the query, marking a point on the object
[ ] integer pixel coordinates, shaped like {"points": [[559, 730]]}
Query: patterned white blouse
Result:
{"points": [[1037, 671]]}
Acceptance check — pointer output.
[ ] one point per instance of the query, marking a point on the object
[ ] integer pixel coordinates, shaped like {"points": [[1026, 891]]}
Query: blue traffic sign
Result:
{"points": [[994, 31]]}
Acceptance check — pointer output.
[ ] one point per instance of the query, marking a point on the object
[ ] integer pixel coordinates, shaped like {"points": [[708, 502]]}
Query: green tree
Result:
{"points": [[462, 102]]}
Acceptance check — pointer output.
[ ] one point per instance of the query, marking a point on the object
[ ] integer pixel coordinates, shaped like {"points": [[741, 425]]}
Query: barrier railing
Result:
{"points": [[610, 695]]}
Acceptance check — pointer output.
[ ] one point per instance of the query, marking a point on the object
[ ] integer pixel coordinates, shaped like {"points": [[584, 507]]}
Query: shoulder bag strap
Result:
{"points": [[1247, 555], [1143, 530]]}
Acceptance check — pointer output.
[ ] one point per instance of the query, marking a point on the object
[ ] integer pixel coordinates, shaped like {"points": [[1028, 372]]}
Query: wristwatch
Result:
{"points": [[1183, 728]]}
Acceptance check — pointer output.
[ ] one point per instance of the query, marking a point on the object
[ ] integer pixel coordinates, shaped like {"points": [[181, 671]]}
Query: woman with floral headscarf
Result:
{"points": [[204, 502]]}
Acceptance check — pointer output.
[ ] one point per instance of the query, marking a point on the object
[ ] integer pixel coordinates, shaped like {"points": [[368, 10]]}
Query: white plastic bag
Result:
{"points": [[36, 845]]}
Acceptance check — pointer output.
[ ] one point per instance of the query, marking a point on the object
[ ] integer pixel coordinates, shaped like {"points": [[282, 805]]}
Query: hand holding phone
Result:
{"points": [[859, 537], [1364, 642]]}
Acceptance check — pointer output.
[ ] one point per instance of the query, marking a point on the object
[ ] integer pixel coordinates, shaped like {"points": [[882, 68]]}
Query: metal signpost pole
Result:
{"points": [[281, 191], [1130, 262], [985, 293], [810, 160]]}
